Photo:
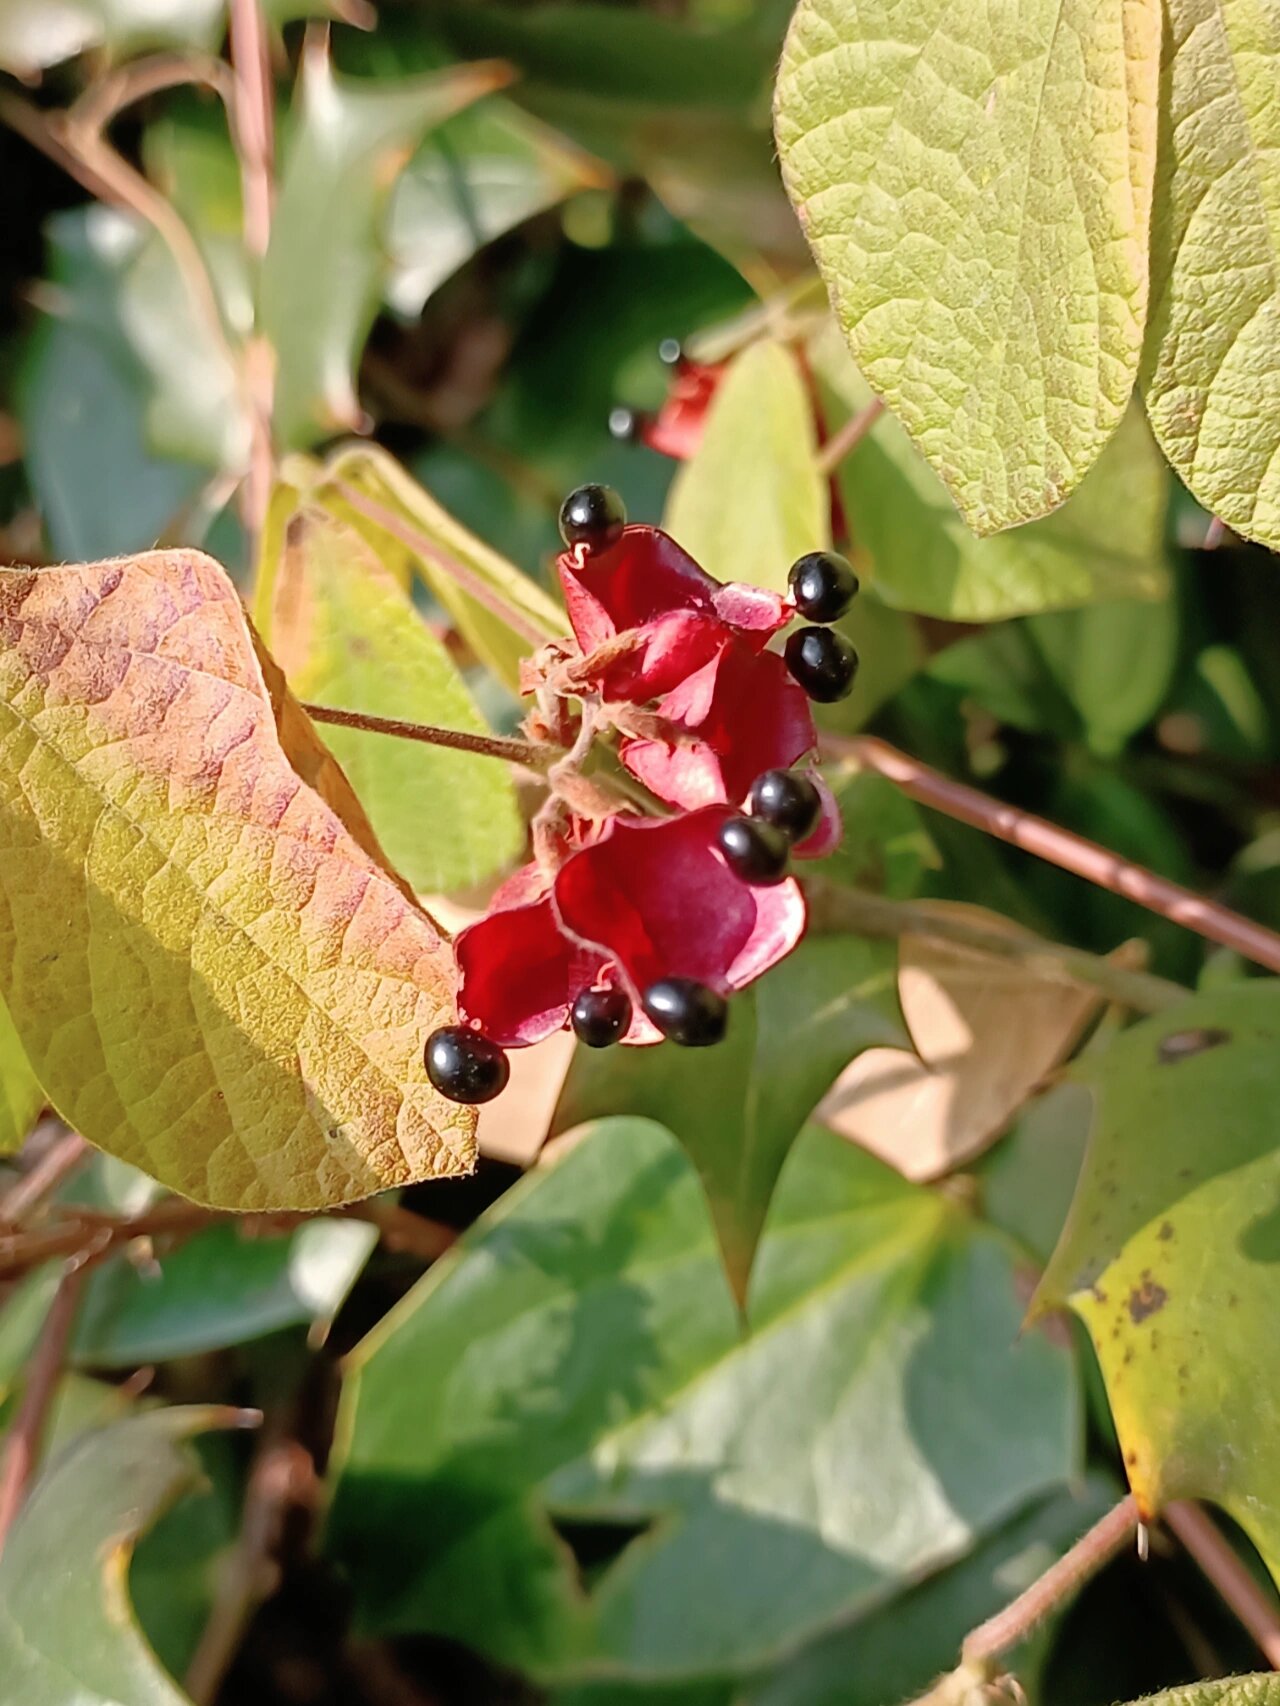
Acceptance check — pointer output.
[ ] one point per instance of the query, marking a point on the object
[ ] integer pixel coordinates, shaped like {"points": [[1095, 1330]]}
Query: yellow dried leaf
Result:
{"points": [[214, 973]]}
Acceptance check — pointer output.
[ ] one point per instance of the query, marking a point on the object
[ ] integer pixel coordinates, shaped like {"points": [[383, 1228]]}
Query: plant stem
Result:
{"points": [[873, 915], [846, 438], [253, 129], [488, 746], [1062, 847], [25, 1437], [1058, 1583], [61, 1158], [1207, 1544]]}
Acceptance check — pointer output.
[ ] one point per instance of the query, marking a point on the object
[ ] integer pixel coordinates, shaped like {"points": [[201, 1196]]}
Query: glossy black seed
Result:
{"points": [[593, 516], [788, 801], [687, 1012], [823, 586], [671, 352], [753, 850], [464, 1066], [601, 1016], [625, 424], [822, 662]]}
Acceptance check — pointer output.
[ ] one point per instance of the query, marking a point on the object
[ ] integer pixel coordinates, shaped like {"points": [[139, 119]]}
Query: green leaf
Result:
{"points": [[751, 499], [35, 34], [1169, 1252], [21, 1097], [579, 1358], [1260, 1690], [1114, 662], [737, 1111], [976, 185], [67, 1632], [885, 847], [417, 532], [219, 1289], [1213, 342], [346, 633], [1108, 543], [325, 269]]}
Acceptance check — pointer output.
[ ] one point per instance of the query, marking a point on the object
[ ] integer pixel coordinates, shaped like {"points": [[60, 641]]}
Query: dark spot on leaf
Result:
{"points": [[1181, 1045], [1166, 1232], [1146, 1298], [1131, 1458]]}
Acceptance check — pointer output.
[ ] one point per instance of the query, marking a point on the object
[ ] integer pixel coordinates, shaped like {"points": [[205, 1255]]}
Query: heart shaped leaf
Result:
{"points": [[213, 972]]}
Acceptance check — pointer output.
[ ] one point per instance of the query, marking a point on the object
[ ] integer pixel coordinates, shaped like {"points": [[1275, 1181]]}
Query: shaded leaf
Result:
{"points": [[1107, 543], [737, 1110], [67, 1632], [445, 554], [1169, 1252], [976, 185], [885, 847], [21, 1097], [751, 499], [325, 269], [1114, 662], [346, 634], [1213, 342], [212, 972], [986, 1032], [579, 1359]]}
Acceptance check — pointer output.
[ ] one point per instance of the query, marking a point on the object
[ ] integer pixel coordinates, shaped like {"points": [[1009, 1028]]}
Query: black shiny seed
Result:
{"points": [[823, 662], [625, 424], [593, 516], [671, 352], [754, 850], [687, 1012], [788, 801], [601, 1016], [823, 586], [464, 1066]]}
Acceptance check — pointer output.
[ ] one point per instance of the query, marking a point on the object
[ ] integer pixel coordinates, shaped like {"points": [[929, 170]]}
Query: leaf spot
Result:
{"points": [[1146, 1299], [1181, 1045]]}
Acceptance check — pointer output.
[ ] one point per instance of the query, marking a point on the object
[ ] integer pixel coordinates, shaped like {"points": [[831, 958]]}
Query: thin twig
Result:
{"points": [[423, 546], [487, 746], [1058, 1583], [847, 437], [109, 94], [838, 908], [1207, 1544], [1061, 847], [26, 1436], [62, 1158]]}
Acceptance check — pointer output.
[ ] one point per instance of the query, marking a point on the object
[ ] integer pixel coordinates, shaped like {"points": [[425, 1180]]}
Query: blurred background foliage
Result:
{"points": [[471, 265]]}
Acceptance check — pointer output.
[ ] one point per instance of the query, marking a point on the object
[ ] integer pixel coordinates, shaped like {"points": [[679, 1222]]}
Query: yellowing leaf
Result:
{"points": [[975, 180], [751, 499], [21, 1097], [347, 634], [986, 1033], [1213, 348], [213, 974], [364, 486], [323, 274]]}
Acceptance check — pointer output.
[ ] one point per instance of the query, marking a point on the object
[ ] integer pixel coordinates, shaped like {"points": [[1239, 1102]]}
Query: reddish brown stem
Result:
{"points": [[1058, 1583], [26, 1436], [1206, 1543], [62, 1158], [1061, 847], [488, 746], [846, 438]]}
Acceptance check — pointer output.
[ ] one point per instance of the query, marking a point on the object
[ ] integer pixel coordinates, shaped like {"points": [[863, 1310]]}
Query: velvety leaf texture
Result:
{"points": [[976, 183], [212, 971]]}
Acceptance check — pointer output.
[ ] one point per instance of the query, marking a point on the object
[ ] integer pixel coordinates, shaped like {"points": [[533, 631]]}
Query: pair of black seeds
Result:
{"points": [[783, 807], [823, 586]]}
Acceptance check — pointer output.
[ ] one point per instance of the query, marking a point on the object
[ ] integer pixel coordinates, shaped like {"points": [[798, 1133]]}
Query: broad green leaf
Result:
{"points": [[751, 499], [1108, 543], [99, 493], [738, 1110], [21, 1316], [579, 1359], [346, 633], [976, 184], [1260, 1690], [213, 973], [220, 1288], [326, 268], [1169, 1252], [885, 847], [67, 1631], [407, 522], [1213, 342], [475, 178], [21, 1097], [1114, 662]]}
